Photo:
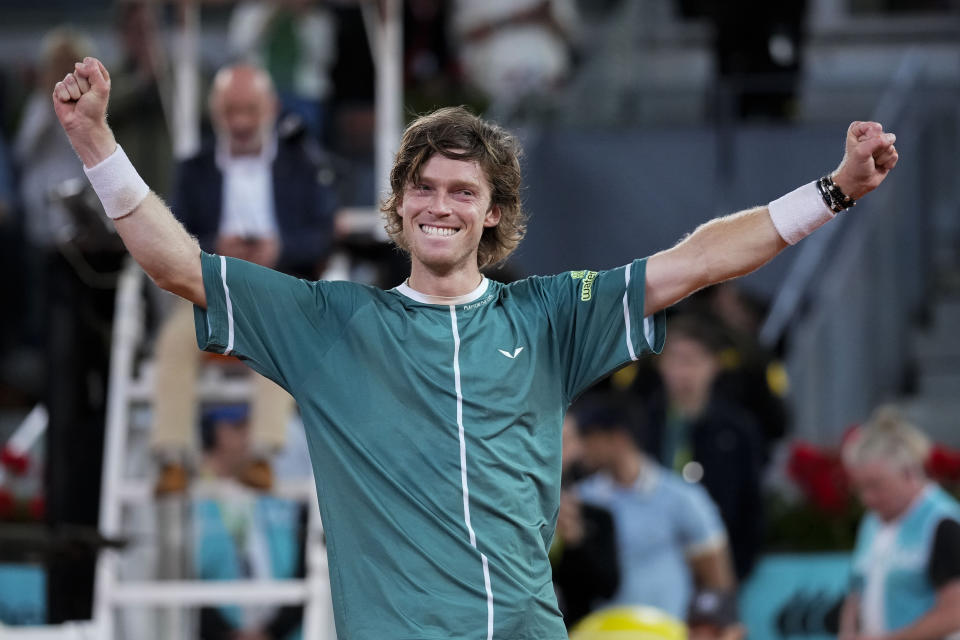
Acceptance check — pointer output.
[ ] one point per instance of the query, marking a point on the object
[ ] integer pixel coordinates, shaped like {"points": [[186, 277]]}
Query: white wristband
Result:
{"points": [[799, 213], [118, 185]]}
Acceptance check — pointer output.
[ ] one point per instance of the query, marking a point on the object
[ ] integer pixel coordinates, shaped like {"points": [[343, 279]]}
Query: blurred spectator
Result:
{"points": [[239, 534], [351, 136], [751, 377], [906, 562], [757, 58], [41, 150], [515, 49], [584, 552], [295, 41], [75, 289], [670, 538], [254, 195], [137, 115], [426, 50], [713, 616], [703, 436], [431, 69]]}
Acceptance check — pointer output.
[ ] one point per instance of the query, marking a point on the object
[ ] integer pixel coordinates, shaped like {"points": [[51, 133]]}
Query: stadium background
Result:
{"points": [[671, 112]]}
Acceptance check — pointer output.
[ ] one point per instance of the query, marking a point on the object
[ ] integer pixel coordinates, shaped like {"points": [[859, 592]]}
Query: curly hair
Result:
{"points": [[456, 133]]}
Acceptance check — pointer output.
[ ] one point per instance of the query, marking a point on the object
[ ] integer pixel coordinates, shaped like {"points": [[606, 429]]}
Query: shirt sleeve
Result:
{"points": [[701, 528], [267, 318], [599, 322], [944, 564]]}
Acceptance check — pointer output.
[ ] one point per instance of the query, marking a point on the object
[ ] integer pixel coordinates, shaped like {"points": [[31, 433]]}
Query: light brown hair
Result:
{"points": [[455, 133]]}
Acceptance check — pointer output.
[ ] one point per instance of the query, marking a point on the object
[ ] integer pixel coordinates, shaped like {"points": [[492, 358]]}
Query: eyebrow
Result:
{"points": [[454, 184]]}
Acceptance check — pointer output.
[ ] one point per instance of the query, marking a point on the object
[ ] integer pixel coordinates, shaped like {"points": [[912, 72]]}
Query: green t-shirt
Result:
{"points": [[434, 431]]}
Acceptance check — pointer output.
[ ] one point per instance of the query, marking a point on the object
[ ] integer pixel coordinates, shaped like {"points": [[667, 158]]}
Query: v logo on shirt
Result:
{"points": [[513, 355]]}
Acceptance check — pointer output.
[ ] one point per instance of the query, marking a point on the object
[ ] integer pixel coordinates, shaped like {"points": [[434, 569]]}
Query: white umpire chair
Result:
{"points": [[154, 569]]}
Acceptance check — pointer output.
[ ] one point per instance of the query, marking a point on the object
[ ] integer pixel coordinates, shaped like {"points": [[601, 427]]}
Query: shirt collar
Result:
{"points": [[914, 504], [267, 154], [413, 294], [648, 476]]}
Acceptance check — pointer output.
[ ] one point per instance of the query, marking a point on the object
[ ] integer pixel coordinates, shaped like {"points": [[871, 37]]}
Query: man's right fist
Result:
{"points": [[80, 101]]}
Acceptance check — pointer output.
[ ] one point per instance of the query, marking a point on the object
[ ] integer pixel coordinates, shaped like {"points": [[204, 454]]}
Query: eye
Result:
{"points": [[467, 193]]}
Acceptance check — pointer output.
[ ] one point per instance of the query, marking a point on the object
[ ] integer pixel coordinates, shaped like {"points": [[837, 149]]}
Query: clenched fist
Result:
{"points": [[80, 101], [868, 157]]}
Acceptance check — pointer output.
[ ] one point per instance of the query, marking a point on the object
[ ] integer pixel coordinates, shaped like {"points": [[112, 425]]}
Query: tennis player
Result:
{"points": [[433, 410]]}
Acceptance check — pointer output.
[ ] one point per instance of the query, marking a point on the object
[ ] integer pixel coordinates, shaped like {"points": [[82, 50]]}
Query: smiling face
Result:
{"points": [[444, 213]]}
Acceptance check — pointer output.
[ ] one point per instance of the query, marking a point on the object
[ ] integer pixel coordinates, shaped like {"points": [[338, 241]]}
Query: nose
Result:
{"points": [[440, 203]]}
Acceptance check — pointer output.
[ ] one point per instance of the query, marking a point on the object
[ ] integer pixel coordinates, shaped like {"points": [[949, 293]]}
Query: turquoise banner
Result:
{"points": [[795, 596], [23, 595]]}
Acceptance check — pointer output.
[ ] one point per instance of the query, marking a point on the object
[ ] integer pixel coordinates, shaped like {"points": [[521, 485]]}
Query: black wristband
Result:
{"points": [[835, 199]]}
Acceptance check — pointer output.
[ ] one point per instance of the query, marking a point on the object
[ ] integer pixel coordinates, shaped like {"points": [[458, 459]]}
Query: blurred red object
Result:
{"points": [[943, 465], [6, 504], [37, 507], [17, 463], [820, 475]]}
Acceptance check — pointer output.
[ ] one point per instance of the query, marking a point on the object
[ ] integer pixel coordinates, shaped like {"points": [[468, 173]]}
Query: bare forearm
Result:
{"points": [[718, 250], [160, 244], [736, 245], [848, 617], [148, 229], [155, 239]]}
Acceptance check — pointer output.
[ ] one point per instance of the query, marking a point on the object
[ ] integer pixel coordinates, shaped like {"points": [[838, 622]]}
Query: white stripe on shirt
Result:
{"points": [[463, 468], [229, 303], [626, 312]]}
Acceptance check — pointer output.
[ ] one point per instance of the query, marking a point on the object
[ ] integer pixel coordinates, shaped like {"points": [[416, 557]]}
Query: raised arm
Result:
{"points": [[156, 240], [737, 244]]}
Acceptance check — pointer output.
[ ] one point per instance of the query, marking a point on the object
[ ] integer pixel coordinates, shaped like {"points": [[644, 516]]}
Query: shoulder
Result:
{"points": [[677, 490], [293, 141], [543, 288], [948, 529], [944, 502]]}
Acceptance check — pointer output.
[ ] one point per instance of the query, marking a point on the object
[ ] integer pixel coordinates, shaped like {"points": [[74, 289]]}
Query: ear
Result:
{"points": [[492, 218]]}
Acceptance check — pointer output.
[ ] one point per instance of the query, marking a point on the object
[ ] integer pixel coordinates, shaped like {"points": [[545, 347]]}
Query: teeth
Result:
{"points": [[437, 231]]}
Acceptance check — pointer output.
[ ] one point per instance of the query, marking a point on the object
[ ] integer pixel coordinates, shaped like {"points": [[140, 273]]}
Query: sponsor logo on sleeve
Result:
{"points": [[586, 290]]}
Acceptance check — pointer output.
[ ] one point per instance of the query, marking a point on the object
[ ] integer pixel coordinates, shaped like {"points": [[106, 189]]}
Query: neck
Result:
{"points": [[627, 468], [240, 152], [222, 467], [448, 285], [910, 500]]}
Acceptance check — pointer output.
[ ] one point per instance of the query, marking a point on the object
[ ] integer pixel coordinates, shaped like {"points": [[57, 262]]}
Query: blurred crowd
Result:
{"points": [[286, 148], [663, 468], [663, 462], [287, 145]]}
